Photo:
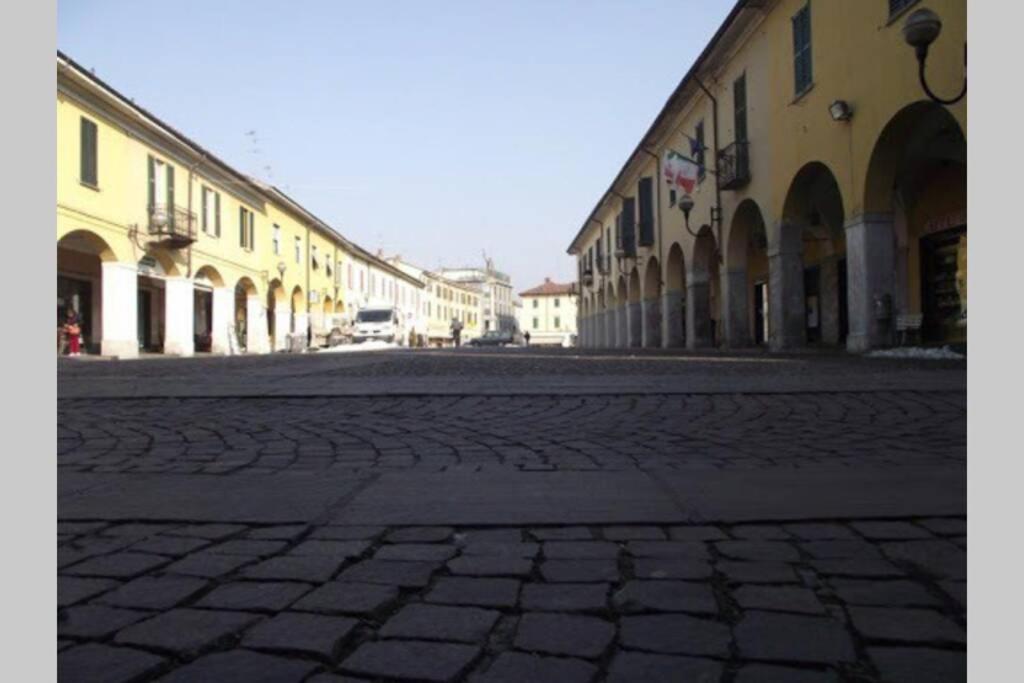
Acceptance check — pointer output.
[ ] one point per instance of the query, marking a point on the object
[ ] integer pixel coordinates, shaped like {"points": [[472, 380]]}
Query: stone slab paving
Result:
{"points": [[633, 517]]}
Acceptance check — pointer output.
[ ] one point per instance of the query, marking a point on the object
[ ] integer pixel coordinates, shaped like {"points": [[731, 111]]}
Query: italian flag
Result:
{"points": [[678, 170]]}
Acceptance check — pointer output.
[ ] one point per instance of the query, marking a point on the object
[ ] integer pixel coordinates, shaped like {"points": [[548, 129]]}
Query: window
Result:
{"points": [[211, 212], [277, 239], [802, 73], [557, 302], [698, 136], [313, 257], [161, 188], [298, 250], [536, 302], [87, 169], [535, 325], [739, 108], [330, 270], [557, 323], [246, 228]]}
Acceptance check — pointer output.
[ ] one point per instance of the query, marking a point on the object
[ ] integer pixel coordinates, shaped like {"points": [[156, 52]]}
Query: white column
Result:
{"points": [[282, 322], [223, 309], [256, 326], [672, 319], [179, 316], [621, 327], [737, 308], [698, 314], [652, 322], [634, 329], [870, 269], [120, 288]]}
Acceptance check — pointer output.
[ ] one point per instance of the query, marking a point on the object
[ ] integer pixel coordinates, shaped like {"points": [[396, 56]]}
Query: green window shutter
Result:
{"points": [[206, 212], [698, 135], [152, 183], [241, 226], [629, 226], [645, 192], [739, 103], [216, 212], [87, 169], [252, 230]]}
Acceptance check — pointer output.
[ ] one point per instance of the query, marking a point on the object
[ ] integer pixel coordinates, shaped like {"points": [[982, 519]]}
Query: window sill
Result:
{"points": [[894, 17], [91, 186], [802, 94]]}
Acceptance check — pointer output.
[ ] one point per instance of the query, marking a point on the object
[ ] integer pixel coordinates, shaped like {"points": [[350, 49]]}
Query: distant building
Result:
{"points": [[443, 301], [548, 313], [496, 309]]}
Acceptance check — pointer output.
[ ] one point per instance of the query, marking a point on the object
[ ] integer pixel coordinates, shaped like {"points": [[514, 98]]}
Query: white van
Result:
{"points": [[379, 323]]}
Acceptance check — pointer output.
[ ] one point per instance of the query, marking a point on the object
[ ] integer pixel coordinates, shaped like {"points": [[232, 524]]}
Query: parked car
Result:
{"points": [[379, 323], [493, 338]]}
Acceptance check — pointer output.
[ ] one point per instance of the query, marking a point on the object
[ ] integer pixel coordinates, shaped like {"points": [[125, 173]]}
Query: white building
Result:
{"points": [[548, 313], [496, 302], [371, 281], [443, 300]]}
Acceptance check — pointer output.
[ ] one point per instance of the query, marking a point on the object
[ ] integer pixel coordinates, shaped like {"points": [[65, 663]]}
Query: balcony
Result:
{"points": [[172, 226], [734, 165]]}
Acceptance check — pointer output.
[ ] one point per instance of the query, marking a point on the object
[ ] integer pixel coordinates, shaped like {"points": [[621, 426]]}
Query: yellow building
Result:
{"points": [[163, 247], [444, 301], [830, 207]]}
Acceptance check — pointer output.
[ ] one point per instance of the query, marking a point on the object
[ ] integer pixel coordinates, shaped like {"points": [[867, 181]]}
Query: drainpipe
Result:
{"points": [[718, 190]]}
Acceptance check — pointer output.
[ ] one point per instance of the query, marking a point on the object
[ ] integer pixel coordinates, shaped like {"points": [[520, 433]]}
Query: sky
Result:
{"points": [[436, 130]]}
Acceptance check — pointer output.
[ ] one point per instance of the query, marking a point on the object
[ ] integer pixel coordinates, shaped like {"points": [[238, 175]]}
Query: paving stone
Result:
{"points": [[517, 667], [696, 533], [93, 663], [956, 590], [779, 598], [175, 546], [437, 622], [769, 673], [897, 593], [420, 660], [254, 595], [154, 592], [246, 547], [677, 549], [471, 591], [665, 596], [186, 631], [941, 559], [415, 551], [580, 550], [492, 549], [72, 589], [566, 635], [311, 634], [348, 533], [904, 624], [945, 527], [819, 532], [341, 550], [136, 530], [580, 570], [213, 532], [792, 638], [858, 567], [839, 549], [760, 532], [208, 564], [565, 597], [913, 665], [421, 534], [287, 532], [335, 678], [119, 565], [758, 572], [490, 566], [241, 665], [671, 568], [633, 533], [76, 528], [771, 551], [640, 667], [562, 533], [404, 574], [338, 597], [674, 634], [488, 536], [890, 531], [96, 621], [288, 568]]}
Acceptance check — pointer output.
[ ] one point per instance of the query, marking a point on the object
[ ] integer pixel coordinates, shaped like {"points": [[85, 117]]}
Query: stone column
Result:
{"points": [[256, 326], [698, 314], [870, 264], [282, 323], [179, 316], [735, 291], [223, 308], [787, 314], [621, 327], [635, 324], [652, 323], [120, 295], [672, 319]]}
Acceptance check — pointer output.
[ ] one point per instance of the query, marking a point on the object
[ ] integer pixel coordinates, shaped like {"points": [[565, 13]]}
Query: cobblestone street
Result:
{"points": [[514, 515]]}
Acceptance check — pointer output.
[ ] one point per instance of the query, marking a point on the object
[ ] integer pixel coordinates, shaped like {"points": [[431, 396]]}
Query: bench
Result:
{"points": [[908, 323]]}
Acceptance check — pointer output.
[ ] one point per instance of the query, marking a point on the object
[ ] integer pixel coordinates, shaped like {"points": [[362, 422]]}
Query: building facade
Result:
{"points": [[548, 312], [162, 247], [830, 205], [496, 300], [444, 301]]}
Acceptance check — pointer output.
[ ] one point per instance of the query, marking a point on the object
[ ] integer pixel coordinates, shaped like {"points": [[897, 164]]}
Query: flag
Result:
{"points": [[680, 171]]}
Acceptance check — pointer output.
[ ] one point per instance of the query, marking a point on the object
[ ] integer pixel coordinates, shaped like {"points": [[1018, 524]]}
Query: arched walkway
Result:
{"points": [[651, 304], [250, 325], [808, 288], [673, 303], [83, 258], [621, 314], [746, 278], [910, 243], [702, 292], [212, 303], [279, 316], [300, 312], [634, 310]]}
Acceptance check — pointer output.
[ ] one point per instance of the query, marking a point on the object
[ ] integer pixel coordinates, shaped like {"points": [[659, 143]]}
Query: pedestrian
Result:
{"points": [[73, 330], [456, 332], [526, 336]]}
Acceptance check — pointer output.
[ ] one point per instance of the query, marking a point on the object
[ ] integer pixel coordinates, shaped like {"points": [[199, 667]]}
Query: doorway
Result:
{"points": [[812, 303]]}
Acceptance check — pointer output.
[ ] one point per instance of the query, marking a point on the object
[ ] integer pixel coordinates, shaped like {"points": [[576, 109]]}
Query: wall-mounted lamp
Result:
{"points": [[840, 110], [920, 30], [686, 205]]}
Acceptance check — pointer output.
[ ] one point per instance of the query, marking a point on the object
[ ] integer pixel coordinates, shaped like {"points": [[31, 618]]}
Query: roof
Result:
{"points": [[549, 288]]}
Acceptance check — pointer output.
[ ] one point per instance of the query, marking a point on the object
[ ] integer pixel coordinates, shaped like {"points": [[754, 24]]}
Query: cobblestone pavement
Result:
{"points": [[754, 519]]}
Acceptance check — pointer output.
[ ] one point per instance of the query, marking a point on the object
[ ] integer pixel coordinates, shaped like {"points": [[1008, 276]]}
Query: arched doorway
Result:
{"points": [[278, 315], [607, 330], [702, 292], [746, 278], [328, 322], [651, 305], [673, 308], [248, 333], [300, 314], [915, 202], [809, 291], [210, 319], [80, 258], [154, 270], [634, 310]]}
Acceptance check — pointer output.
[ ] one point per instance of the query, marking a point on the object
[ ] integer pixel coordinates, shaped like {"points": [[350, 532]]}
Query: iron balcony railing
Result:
{"points": [[173, 225], [734, 165]]}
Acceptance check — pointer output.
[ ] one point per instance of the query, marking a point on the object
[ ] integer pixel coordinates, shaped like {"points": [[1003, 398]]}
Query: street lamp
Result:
{"points": [[686, 204], [920, 30]]}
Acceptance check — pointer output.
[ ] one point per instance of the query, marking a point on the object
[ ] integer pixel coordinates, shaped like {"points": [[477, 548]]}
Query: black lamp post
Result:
{"points": [[920, 30]]}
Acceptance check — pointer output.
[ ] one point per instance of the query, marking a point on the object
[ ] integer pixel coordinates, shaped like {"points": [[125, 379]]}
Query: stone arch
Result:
{"points": [[702, 291], [81, 257], [673, 307], [746, 280], [167, 263], [209, 274], [87, 242], [247, 315], [298, 301]]}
